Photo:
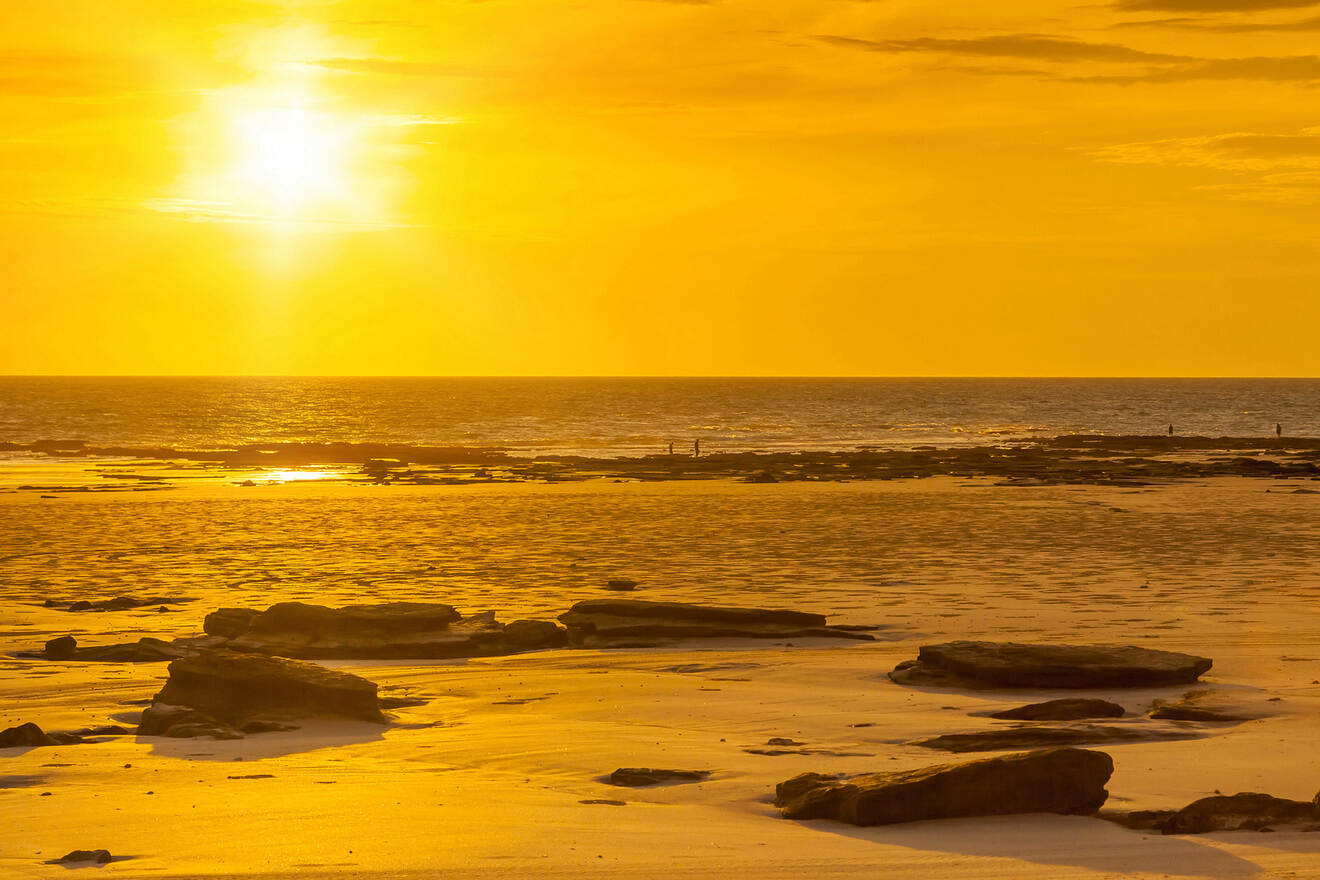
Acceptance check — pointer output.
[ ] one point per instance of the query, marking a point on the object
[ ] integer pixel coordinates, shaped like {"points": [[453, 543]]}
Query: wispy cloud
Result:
{"points": [[1211, 5], [1040, 47], [1288, 69]]}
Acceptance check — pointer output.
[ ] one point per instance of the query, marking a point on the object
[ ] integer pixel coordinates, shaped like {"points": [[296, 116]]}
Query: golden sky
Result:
{"points": [[662, 187]]}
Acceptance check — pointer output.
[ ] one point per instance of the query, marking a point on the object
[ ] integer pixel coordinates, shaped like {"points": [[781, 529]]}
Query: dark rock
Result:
{"points": [[216, 693], [761, 477], [1245, 811], [1033, 737], [119, 603], [229, 623], [181, 722], [534, 635], [103, 730], [1139, 820], [396, 630], [621, 585], [27, 734], [638, 777], [615, 622], [98, 856], [62, 648], [144, 650], [1013, 665], [1062, 710], [1211, 706], [1068, 781]]}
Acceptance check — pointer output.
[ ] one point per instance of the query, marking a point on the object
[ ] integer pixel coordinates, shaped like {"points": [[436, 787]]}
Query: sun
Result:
{"points": [[291, 161]]}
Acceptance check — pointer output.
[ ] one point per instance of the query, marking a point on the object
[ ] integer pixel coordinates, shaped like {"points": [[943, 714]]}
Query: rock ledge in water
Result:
{"points": [[1244, 811], [639, 777], [1068, 709], [621, 622], [1068, 781], [1013, 665]]}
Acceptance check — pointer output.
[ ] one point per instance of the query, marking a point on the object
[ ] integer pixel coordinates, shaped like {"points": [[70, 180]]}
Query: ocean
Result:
{"points": [[635, 416]]}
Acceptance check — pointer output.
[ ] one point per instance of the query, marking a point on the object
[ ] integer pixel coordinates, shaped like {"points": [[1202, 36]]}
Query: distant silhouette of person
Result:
{"points": [[671, 447], [1170, 430], [696, 448], [1278, 430]]}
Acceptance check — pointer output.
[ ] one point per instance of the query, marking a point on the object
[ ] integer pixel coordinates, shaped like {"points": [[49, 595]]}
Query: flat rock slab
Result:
{"points": [[639, 777], [1014, 665], [1037, 737], [619, 622], [1065, 780], [1211, 706], [1245, 811], [1068, 709], [390, 631], [218, 693]]}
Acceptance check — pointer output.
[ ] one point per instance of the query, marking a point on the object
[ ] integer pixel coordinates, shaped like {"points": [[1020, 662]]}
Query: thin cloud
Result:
{"points": [[1288, 69], [1211, 5], [1242, 27], [1040, 47]]}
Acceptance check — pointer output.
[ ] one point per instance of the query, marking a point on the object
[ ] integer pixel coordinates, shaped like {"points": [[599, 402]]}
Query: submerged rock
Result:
{"points": [[639, 777], [119, 603], [1033, 737], [1068, 781], [1013, 665], [619, 622], [218, 693], [1068, 709]]}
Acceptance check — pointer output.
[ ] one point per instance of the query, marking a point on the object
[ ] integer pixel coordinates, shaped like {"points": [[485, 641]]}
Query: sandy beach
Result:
{"points": [[488, 777]]}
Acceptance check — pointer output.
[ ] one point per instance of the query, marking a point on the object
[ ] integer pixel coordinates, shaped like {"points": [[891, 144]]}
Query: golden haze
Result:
{"points": [[790, 187]]}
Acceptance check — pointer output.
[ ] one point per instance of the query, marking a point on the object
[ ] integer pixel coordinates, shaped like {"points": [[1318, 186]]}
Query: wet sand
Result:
{"points": [[487, 778]]}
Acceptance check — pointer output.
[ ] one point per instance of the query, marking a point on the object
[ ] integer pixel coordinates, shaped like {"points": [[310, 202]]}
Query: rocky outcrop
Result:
{"points": [[624, 622], [119, 603], [1037, 737], [1209, 706], [1068, 709], [1068, 781], [639, 777], [94, 856], [30, 735], [221, 693], [395, 630], [144, 650], [1013, 665], [1245, 811]]}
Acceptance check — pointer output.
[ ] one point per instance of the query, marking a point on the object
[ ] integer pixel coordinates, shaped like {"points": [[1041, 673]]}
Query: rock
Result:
{"points": [[27, 734], [621, 585], [119, 603], [1139, 820], [229, 623], [144, 650], [1062, 710], [1068, 781], [761, 477], [216, 693], [618, 622], [1035, 737], [638, 777], [162, 719], [395, 630], [1207, 705], [98, 856], [103, 730], [534, 635], [1245, 811], [62, 648], [1013, 665]]}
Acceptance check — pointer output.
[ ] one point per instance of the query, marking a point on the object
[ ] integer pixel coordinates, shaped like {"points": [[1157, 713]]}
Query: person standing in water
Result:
{"points": [[696, 448], [1170, 430], [1278, 430]]}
